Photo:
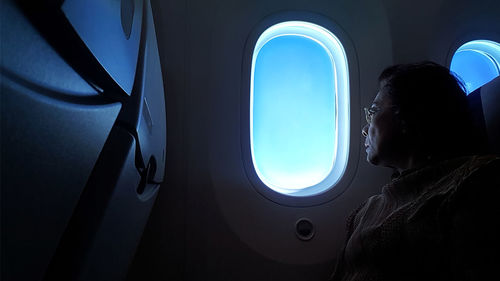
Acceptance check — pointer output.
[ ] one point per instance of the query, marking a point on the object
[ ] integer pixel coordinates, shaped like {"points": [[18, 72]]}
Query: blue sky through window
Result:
{"points": [[293, 112]]}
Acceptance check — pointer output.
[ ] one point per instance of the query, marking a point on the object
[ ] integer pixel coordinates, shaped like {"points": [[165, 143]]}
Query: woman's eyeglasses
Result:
{"points": [[369, 112]]}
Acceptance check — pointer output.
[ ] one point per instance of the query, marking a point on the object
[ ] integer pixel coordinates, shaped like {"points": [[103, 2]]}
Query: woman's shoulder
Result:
{"points": [[478, 173], [478, 169], [473, 186], [468, 170], [477, 162]]}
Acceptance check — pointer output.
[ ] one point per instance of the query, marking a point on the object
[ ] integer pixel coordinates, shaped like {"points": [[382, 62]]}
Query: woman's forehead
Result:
{"points": [[382, 98]]}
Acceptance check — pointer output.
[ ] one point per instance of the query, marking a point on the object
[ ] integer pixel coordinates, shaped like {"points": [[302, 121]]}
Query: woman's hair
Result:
{"points": [[433, 108]]}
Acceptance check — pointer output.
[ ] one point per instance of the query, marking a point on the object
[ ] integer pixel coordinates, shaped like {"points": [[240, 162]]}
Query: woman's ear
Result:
{"points": [[403, 127], [402, 122], [396, 110]]}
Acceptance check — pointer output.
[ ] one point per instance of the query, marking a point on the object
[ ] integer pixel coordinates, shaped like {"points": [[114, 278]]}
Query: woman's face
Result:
{"points": [[385, 141]]}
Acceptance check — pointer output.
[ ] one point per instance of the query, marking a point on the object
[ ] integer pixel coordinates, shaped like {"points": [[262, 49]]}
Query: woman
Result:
{"points": [[439, 217]]}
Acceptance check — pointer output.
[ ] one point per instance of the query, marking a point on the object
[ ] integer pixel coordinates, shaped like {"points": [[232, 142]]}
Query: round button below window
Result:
{"points": [[304, 229]]}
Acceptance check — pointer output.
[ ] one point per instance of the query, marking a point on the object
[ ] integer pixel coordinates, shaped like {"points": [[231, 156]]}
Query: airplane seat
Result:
{"points": [[83, 136], [490, 98], [480, 136], [485, 106]]}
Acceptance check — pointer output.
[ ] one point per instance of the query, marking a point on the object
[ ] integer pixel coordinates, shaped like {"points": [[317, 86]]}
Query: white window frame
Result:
{"points": [[335, 49]]}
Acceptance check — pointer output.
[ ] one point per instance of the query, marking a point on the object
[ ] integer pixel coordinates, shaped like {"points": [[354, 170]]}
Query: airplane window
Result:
{"points": [[299, 108], [476, 63]]}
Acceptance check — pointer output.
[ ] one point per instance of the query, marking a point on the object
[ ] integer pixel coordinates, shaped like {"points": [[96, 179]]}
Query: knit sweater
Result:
{"points": [[441, 222]]}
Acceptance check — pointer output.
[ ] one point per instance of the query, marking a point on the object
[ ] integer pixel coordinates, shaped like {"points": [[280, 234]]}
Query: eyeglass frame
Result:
{"points": [[369, 112]]}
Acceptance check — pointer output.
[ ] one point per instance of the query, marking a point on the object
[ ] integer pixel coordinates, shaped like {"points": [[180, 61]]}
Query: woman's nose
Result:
{"points": [[364, 131]]}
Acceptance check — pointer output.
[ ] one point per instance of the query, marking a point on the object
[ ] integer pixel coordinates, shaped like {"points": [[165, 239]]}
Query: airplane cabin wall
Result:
{"points": [[433, 30], [209, 223]]}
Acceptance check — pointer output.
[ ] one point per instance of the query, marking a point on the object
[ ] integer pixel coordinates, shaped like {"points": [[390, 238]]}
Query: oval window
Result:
{"points": [[476, 63], [299, 105]]}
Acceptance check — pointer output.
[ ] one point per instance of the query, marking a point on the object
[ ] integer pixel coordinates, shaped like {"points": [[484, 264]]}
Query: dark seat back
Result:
{"points": [[485, 106]]}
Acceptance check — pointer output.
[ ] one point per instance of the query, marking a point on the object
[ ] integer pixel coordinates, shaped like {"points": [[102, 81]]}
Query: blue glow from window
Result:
{"points": [[476, 63], [294, 111], [295, 108]]}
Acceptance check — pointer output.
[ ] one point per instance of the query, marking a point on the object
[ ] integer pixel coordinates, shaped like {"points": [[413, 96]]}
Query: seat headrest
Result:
{"points": [[485, 106], [490, 98]]}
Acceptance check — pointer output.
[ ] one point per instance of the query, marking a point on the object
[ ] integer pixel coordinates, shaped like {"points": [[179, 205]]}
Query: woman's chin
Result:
{"points": [[371, 158]]}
